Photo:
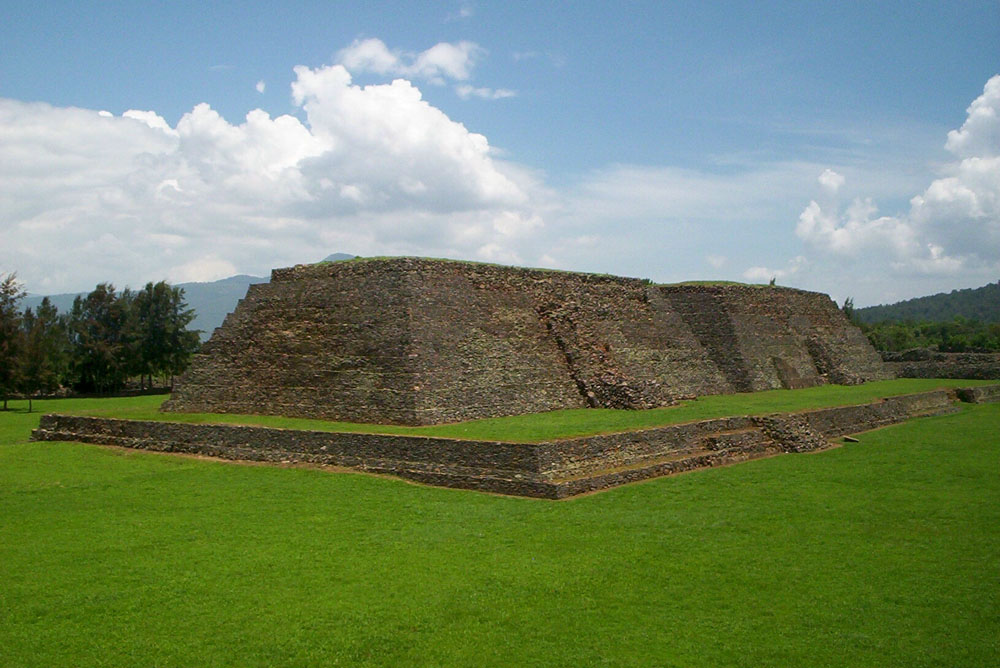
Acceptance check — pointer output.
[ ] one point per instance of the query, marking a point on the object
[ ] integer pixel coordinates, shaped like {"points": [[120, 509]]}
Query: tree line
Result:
{"points": [[955, 335], [107, 338], [960, 335]]}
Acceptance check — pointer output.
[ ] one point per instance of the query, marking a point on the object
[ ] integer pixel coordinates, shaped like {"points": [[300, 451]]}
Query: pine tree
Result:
{"points": [[152, 305], [165, 344], [43, 352], [103, 335], [11, 294], [849, 311], [181, 342]]}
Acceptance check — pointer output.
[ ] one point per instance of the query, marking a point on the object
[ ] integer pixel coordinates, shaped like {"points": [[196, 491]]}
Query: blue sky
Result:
{"points": [[805, 141]]}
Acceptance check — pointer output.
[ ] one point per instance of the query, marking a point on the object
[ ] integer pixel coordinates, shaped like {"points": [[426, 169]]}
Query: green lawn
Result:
{"points": [[880, 553], [541, 426]]}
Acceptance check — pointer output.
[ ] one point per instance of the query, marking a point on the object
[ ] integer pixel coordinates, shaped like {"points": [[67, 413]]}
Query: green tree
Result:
{"points": [[116, 336], [11, 294], [848, 310], [164, 342], [56, 341], [957, 335], [182, 343], [103, 337], [43, 352]]}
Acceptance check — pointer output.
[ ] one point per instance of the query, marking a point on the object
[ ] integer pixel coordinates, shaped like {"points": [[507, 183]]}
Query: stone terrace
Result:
{"points": [[554, 469]]}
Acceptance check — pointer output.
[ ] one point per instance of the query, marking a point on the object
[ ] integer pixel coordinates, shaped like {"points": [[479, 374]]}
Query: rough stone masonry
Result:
{"points": [[554, 469], [422, 341]]}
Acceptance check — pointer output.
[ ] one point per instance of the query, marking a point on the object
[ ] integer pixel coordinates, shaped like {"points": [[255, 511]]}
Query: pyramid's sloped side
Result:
{"points": [[624, 346], [841, 352], [769, 338], [328, 346], [493, 341], [479, 349]]}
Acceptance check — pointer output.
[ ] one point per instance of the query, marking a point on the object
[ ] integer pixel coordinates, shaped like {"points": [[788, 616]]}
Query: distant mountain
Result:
{"points": [[981, 304], [63, 302], [211, 302]]}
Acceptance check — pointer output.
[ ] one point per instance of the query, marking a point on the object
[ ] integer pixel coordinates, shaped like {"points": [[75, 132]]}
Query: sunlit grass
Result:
{"points": [[880, 553]]}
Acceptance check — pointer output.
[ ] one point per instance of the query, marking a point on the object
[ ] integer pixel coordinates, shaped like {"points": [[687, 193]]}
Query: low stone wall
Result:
{"points": [[853, 419], [924, 363], [554, 469]]}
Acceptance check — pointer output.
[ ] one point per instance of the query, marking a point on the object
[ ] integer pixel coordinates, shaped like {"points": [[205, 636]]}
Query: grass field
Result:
{"points": [[880, 553], [542, 426]]}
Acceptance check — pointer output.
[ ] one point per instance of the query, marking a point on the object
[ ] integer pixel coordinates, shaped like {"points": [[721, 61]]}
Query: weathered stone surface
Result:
{"points": [[554, 469], [979, 395], [419, 341], [770, 338], [924, 363]]}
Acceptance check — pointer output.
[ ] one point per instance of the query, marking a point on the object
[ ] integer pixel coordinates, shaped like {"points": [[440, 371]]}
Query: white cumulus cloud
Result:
{"points": [[953, 225], [979, 135], [88, 196], [444, 60], [454, 61], [831, 180], [370, 55], [442, 63]]}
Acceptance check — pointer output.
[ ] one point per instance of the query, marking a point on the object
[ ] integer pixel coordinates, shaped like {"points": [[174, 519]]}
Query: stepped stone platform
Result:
{"points": [[553, 470], [925, 363], [419, 341]]}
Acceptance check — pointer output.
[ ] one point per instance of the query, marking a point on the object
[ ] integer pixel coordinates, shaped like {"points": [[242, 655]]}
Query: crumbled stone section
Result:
{"points": [[554, 469], [792, 432], [924, 363], [421, 341], [979, 395]]}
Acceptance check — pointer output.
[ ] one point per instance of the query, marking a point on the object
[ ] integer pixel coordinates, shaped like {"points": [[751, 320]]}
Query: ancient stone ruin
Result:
{"points": [[926, 363], [553, 469], [420, 341]]}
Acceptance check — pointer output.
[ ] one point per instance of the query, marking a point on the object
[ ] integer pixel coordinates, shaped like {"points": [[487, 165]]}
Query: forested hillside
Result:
{"points": [[958, 321], [982, 304]]}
